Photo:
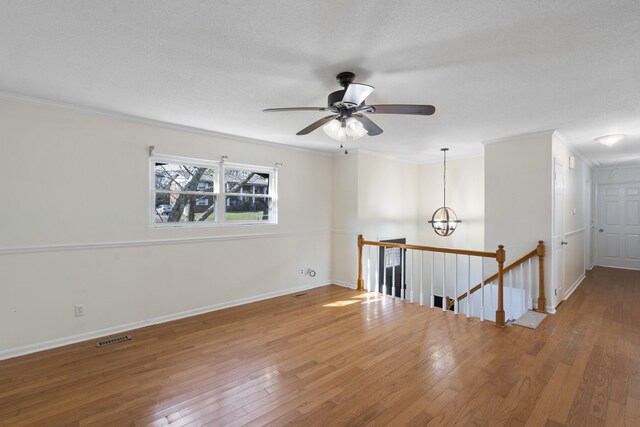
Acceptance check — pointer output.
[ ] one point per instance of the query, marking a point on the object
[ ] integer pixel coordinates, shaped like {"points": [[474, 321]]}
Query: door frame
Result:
{"points": [[557, 237], [596, 216], [403, 267]]}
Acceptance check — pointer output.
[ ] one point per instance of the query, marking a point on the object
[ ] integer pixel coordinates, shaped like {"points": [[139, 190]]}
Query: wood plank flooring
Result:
{"points": [[336, 357]]}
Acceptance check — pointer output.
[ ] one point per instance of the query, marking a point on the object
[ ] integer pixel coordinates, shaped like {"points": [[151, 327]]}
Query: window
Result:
{"points": [[188, 191], [247, 195], [391, 257], [184, 192]]}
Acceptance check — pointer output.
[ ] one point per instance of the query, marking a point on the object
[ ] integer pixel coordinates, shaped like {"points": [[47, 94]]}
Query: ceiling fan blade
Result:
{"points": [[372, 128], [425, 110], [356, 93], [271, 110], [315, 125]]}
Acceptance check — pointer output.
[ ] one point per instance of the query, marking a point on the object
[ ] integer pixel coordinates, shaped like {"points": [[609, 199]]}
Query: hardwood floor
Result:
{"points": [[338, 357]]}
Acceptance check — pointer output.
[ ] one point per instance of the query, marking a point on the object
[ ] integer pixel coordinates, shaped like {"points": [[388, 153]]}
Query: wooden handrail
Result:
{"points": [[498, 255], [428, 248], [540, 252], [495, 276]]}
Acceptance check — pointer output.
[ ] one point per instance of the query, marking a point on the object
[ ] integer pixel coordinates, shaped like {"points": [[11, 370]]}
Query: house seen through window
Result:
{"points": [[186, 192]]}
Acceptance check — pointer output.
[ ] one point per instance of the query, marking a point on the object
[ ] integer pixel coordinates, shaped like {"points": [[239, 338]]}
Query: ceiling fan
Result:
{"points": [[348, 109]]}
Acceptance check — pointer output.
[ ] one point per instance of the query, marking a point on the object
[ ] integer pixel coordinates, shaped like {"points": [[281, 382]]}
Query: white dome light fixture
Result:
{"points": [[609, 140], [444, 220]]}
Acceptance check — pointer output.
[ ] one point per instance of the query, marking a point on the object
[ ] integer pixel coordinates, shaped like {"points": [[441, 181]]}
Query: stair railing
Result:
{"points": [[540, 252], [499, 255]]}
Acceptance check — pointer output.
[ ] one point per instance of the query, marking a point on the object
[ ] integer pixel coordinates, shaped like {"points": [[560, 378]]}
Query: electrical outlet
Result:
{"points": [[79, 310], [301, 271], [556, 292]]}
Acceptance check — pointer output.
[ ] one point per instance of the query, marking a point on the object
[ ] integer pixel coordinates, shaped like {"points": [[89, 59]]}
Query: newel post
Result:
{"points": [[500, 257], [541, 299], [360, 279]]}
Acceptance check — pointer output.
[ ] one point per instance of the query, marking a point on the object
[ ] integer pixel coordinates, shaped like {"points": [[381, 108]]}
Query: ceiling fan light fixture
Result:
{"points": [[609, 140], [354, 128], [349, 120], [334, 130]]}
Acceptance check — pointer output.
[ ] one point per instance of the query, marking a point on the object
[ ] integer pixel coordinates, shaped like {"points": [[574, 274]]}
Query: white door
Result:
{"points": [[619, 225], [557, 232]]}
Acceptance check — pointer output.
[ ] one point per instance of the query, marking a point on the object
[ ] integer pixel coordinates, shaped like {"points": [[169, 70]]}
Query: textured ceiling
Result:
{"points": [[493, 69]]}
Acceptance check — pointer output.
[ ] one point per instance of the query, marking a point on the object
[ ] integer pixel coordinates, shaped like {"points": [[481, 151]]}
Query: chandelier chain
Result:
{"points": [[444, 179]]}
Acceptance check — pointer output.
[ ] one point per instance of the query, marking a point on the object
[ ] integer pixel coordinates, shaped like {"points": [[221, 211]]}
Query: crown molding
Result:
{"points": [[15, 97], [518, 136]]}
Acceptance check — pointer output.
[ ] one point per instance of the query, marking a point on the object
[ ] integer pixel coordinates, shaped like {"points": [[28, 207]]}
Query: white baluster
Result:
{"points": [[510, 317], [481, 289], [368, 268], [402, 273], [376, 273], [530, 275], [432, 268], [421, 277], [444, 281], [468, 286], [522, 290], [411, 275], [455, 289], [393, 273], [492, 313], [384, 271]]}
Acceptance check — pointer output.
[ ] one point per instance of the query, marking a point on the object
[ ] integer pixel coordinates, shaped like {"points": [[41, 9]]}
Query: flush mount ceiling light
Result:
{"points": [[444, 220], [609, 140]]}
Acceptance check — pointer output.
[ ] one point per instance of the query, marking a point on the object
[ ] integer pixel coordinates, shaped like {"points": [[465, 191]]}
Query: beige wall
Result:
{"points": [[576, 215], [344, 214], [518, 195], [519, 204], [387, 198], [74, 228], [465, 195]]}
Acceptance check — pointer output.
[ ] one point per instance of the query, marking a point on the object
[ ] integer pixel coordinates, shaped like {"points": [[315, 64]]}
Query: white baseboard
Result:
{"points": [[59, 342], [615, 266], [575, 286], [345, 284]]}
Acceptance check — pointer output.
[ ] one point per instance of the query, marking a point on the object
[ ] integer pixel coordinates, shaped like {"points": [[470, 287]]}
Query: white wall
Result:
{"points": [[344, 215], [616, 175], [518, 195], [465, 195], [576, 215], [74, 228], [387, 198]]}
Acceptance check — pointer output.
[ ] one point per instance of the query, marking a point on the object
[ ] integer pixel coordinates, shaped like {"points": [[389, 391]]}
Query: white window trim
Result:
{"points": [[220, 194]]}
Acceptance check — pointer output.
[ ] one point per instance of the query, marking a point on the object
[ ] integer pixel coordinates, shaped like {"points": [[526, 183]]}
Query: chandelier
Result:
{"points": [[444, 220]]}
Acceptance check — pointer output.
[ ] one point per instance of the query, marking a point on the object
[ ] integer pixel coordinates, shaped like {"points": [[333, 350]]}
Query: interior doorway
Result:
{"points": [[393, 268], [618, 225]]}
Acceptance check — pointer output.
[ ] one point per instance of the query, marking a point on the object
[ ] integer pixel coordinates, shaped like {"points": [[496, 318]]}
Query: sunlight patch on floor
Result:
{"points": [[341, 303]]}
